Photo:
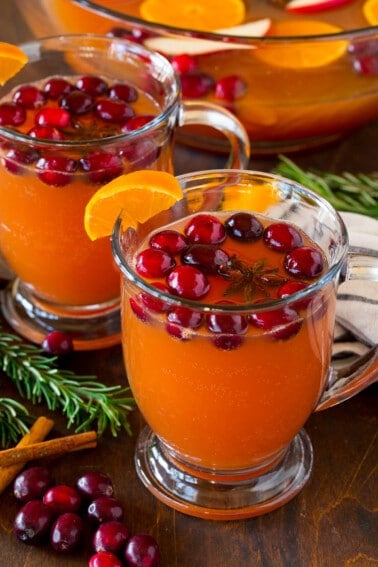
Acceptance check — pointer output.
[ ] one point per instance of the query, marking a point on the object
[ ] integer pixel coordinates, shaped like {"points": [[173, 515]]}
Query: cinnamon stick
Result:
{"points": [[57, 446], [38, 432]]}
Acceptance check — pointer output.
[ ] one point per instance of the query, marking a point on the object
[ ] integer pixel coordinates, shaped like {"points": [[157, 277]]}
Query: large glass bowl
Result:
{"points": [[293, 92]]}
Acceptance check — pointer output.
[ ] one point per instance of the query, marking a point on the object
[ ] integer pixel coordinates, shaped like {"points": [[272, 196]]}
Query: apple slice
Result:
{"points": [[192, 46], [312, 6]]}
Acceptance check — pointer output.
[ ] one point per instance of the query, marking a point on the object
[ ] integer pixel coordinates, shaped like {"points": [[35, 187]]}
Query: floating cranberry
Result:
{"points": [[282, 237], [142, 550], [155, 303], [188, 282], [77, 102], [104, 559], [11, 114], [124, 92], [205, 229], [367, 65], [181, 333], [139, 311], [140, 154], [244, 227], [135, 34], [170, 241], [114, 110], [93, 484], [304, 262], [46, 133], [56, 117], [228, 342], [32, 522], [105, 509], [230, 88], [15, 158], [56, 170], [184, 63], [227, 323], [154, 263], [208, 257], [196, 84], [363, 47], [101, 166], [281, 323], [29, 96], [185, 317], [56, 87], [136, 122], [62, 498], [293, 286], [58, 343], [67, 533], [92, 85], [32, 483], [111, 536]]}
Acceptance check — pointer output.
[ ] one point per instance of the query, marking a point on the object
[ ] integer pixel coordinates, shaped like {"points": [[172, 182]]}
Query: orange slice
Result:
{"points": [[303, 53], [139, 195], [201, 15], [255, 198], [12, 59], [370, 11]]}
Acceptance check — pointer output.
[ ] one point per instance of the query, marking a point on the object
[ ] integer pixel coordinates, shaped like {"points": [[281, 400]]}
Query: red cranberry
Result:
{"points": [[101, 166], [205, 229], [124, 92], [170, 241], [363, 47], [188, 282], [282, 323], [62, 498], [196, 84], [136, 122], [367, 65], [142, 549], [56, 170], [140, 154], [139, 311], [56, 117], [29, 96], [58, 343], [154, 303], [46, 133], [227, 324], [105, 509], [135, 34], [208, 257], [104, 559], [77, 102], [154, 263], [228, 342], [11, 114], [304, 262], [114, 110], [56, 87], [111, 536], [244, 227], [184, 63], [230, 88], [293, 286], [282, 237], [32, 483], [32, 522], [16, 157], [185, 317], [93, 484], [92, 85], [67, 533]]}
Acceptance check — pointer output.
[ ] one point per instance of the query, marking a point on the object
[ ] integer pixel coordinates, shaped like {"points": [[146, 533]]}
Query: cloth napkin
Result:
{"points": [[357, 301]]}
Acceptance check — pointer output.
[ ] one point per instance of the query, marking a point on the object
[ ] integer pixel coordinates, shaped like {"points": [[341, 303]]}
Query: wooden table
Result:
{"points": [[332, 523]]}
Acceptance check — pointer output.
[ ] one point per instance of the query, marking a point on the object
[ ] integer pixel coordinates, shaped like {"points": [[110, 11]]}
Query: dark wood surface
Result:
{"points": [[332, 523]]}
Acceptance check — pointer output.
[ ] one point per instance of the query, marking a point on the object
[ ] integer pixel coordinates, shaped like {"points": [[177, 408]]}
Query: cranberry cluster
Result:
{"points": [[185, 260], [87, 108], [59, 513]]}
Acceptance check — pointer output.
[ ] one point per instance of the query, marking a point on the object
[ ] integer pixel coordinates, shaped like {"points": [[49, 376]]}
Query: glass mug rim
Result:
{"points": [[331, 273], [138, 51]]}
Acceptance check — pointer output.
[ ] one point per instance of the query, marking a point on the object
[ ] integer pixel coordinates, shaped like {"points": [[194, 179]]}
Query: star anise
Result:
{"points": [[251, 280]]}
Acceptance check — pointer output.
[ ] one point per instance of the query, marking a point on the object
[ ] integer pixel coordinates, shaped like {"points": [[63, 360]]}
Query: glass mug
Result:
{"points": [[63, 280], [225, 437]]}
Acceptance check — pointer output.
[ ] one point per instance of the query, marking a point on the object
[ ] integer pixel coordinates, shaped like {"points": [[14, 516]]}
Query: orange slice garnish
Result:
{"points": [[139, 195], [256, 198], [303, 53], [12, 59], [201, 15], [370, 11]]}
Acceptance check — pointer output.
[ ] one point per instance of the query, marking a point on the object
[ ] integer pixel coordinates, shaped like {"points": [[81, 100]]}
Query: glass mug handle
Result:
{"points": [[215, 116], [343, 385]]}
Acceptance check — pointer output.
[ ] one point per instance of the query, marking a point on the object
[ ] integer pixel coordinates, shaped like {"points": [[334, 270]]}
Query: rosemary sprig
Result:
{"points": [[346, 192], [83, 400]]}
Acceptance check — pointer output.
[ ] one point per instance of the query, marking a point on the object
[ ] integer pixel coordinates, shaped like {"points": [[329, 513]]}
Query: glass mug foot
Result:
{"points": [[243, 494], [91, 327]]}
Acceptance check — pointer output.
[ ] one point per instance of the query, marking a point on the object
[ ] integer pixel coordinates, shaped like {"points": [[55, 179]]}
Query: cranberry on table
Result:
{"points": [[93, 484], [205, 229], [105, 559], [62, 498], [111, 536], [58, 343], [188, 282], [282, 237], [244, 227], [105, 509], [32, 483], [67, 533], [304, 262], [142, 551], [32, 522]]}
